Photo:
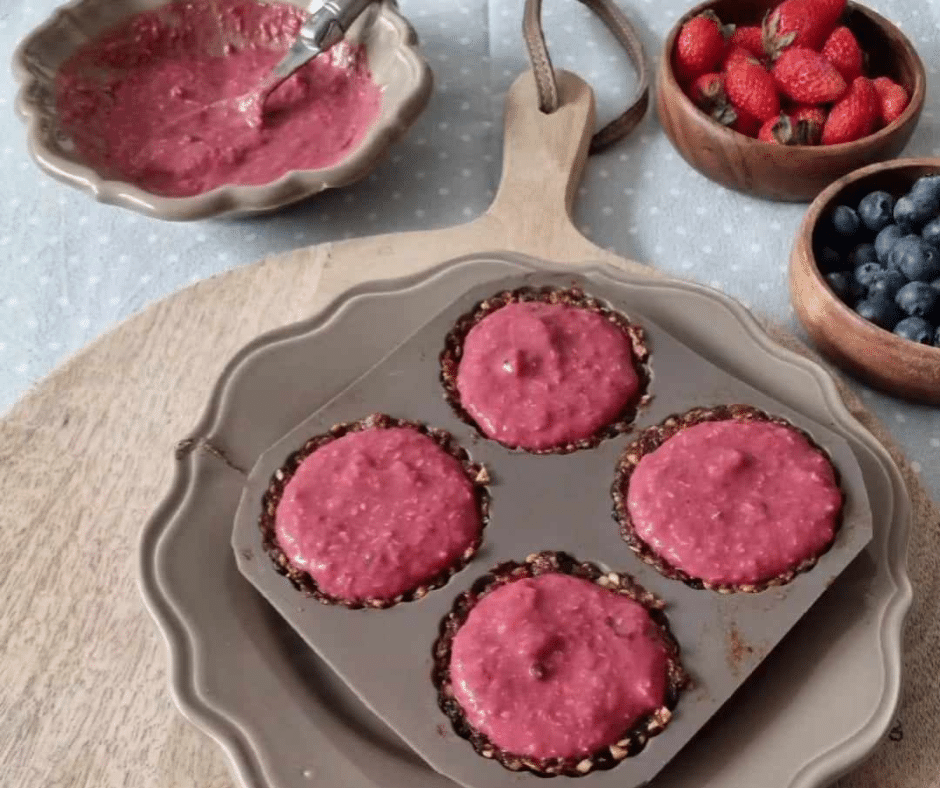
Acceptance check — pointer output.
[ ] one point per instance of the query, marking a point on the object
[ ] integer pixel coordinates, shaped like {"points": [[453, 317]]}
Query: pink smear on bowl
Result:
{"points": [[150, 102]]}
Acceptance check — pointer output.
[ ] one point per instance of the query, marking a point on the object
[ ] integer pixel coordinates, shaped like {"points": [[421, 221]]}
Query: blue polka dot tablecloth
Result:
{"points": [[67, 275]]}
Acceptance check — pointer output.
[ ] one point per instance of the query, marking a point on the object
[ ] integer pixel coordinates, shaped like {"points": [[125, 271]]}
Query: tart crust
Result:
{"points": [[632, 741], [651, 439], [573, 296], [475, 472]]}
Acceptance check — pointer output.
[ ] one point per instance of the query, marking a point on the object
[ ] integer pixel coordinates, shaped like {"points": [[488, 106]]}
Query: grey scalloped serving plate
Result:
{"points": [[815, 707]]}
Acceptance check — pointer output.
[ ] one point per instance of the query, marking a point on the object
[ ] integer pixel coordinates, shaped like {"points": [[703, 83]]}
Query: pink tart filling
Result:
{"points": [[556, 666], [538, 375], [377, 513], [735, 502], [152, 101]]}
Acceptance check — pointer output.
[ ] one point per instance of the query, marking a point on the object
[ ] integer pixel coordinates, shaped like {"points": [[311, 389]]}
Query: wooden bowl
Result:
{"points": [[888, 362], [788, 173]]}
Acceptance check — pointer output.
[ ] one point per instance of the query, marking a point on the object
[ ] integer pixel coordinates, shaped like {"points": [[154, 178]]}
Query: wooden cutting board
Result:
{"points": [[85, 458]]}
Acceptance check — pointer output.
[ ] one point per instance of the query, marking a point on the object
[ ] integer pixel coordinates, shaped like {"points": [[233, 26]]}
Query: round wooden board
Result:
{"points": [[86, 457]]}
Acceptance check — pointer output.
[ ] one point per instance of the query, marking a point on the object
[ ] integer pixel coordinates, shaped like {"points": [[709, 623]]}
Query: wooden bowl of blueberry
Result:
{"points": [[865, 276]]}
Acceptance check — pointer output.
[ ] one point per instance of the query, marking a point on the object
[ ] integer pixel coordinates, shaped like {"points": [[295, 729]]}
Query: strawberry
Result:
{"points": [[740, 121], [802, 23], [855, 115], [708, 92], [752, 89], [892, 99], [807, 77], [830, 10], [751, 37], [814, 119], [842, 50], [769, 131], [736, 52], [701, 46], [787, 130]]}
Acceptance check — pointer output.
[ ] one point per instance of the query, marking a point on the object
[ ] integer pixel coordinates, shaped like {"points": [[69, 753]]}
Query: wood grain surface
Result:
{"points": [[87, 455], [788, 173]]}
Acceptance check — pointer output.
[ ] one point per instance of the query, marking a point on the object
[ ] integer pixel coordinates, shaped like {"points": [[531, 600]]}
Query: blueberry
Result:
{"points": [[889, 284], [915, 209], [917, 299], [863, 253], [843, 285], [915, 329], [885, 241], [931, 233], [880, 310], [869, 273], [926, 189], [876, 210], [917, 259], [830, 260], [845, 221]]}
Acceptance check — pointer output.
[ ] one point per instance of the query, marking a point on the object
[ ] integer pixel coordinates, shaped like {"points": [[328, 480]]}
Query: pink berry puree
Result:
{"points": [[377, 513], [735, 502], [556, 666], [539, 376], [153, 100]]}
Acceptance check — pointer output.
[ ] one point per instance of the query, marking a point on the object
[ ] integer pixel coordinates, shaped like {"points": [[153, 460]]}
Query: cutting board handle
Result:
{"points": [[543, 160]]}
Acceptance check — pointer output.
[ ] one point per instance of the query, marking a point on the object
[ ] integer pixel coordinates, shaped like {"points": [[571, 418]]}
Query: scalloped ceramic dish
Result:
{"points": [[818, 705], [396, 66]]}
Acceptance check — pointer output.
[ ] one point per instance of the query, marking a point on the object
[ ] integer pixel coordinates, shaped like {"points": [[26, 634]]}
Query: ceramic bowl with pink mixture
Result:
{"points": [[387, 42]]}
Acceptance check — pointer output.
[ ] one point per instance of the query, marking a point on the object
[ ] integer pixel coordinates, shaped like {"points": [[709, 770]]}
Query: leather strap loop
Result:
{"points": [[544, 72]]}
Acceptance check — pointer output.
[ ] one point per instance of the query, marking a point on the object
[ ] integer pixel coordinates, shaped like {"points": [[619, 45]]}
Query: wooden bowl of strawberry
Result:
{"points": [[780, 99]]}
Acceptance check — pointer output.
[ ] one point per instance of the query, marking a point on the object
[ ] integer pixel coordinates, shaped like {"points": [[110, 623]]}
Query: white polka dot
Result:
{"points": [[735, 268], [223, 256], [935, 442], [349, 198], [419, 175], [12, 301], [172, 258], [916, 466], [675, 192], [756, 247], [607, 210], [93, 280], [654, 209], [114, 300], [443, 155], [624, 157], [707, 249], [748, 209], [396, 195], [300, 235], [104, 239], [763, 286], [372, 216], [715, 284], [658, 249], [681, 231], [443, 191], [152, 238], [420, 213], [251, 237], [466, 173], [3, 346], [62, 301], [603, 173], [21, 368], [687, 265], [146, 278], [83, 220], [200, 238], [582, 191], [84, 323], [729, 229], [629, 190], [633, 230], [468, 211], [775, 225], [900, 418]]}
